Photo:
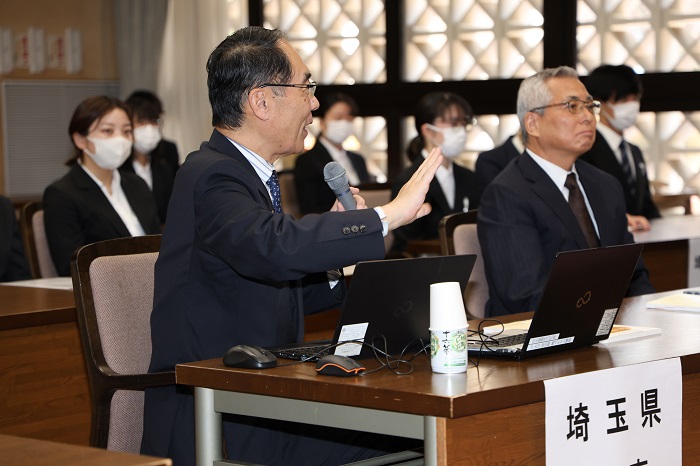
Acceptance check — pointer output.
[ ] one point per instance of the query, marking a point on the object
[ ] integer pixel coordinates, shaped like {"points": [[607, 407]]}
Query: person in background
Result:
{"points": [[93, 201], [154, 159], [443, 120], [546, 200], [337, 112], [13, 263], [492, 162], [235, 269], [619, 90]]}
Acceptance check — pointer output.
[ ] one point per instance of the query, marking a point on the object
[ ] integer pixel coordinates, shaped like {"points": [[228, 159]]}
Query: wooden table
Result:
{"points": [[666, 250], [44, 391], [492, 415], [18, 451]]}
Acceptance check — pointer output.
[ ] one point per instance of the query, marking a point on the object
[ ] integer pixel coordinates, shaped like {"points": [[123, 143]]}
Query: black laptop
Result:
{"points": [[388, 303], [578, 306]]}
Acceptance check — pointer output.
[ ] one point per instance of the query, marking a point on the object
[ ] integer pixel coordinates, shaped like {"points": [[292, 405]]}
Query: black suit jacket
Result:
{"points": [[163, 178], [13, 263], [230, 272], [466, 188], [524, 221], [166, 152], [76, 213], [602, 156], [313, 193], [492, 162]]}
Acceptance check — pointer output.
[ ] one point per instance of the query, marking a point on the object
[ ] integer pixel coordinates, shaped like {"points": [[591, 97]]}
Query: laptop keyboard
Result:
{"points": [[503, 341], [311, 353]]}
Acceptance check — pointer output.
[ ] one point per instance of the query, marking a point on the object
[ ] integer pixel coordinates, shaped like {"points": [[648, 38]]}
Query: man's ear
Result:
{"points": [[257, 101], [532, 124]]}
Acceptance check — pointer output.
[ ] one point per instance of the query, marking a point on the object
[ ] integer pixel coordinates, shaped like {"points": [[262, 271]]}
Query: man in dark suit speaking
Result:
{"points": [[546, 201], [233, 269]]}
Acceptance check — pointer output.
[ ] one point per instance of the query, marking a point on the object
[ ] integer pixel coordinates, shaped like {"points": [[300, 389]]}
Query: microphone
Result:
{"points": [[337, 180]]}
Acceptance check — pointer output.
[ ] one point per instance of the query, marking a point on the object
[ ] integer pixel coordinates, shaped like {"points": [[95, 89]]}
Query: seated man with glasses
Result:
{"points": [[442, 119], [547, 201]]}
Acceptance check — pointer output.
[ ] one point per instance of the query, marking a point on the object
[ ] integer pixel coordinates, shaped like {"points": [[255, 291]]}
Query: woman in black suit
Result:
{"points": [[337, 112], [93, 201], [442, 119]]}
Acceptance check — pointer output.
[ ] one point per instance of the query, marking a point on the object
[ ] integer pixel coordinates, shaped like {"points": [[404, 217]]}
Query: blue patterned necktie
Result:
{"points": [[626, 167], [274, 185]]}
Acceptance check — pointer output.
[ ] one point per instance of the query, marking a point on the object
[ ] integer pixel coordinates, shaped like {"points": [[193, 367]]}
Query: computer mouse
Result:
{"points": [[341, 366], [249, 357]]}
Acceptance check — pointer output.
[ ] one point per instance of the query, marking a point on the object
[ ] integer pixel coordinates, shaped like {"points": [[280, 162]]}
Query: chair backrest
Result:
{"points": [[376, 198], [36, 246], [288, 191], [113, 286], [458, 236]]}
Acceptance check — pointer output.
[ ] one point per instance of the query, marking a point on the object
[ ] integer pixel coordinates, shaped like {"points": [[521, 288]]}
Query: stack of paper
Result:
{"points": [[628, 332], [677, 302]]}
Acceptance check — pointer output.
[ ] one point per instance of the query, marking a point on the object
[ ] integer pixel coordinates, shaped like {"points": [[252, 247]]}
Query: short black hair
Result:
{"points": [[145, 106], [328, 100], [248, 58], [430, 107], [613, 82]]}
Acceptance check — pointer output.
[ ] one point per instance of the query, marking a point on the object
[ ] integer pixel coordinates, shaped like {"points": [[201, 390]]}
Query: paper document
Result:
{"points": [[56, 283], [677, 302], [628, 332]]}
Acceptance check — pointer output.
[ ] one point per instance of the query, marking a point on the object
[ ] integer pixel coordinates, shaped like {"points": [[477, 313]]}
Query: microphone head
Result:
{"points": [[334, 174]]}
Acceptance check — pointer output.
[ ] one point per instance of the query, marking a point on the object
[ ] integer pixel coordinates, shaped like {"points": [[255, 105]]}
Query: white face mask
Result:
{"points": [[453, 140], [338, 131], [146, 138], [626, 115], [110, 153]]}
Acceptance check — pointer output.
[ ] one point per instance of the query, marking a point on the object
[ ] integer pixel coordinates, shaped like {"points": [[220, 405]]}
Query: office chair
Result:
{"points": [[36, 246], [113, 286], [376, 198], [458, 236]]}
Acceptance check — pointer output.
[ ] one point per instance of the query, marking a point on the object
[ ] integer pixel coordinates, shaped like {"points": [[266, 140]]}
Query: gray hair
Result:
{"points": [[533, 92]]}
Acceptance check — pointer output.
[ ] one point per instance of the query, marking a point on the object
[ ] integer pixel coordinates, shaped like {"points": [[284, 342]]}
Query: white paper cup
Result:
{"points": [[447, 306], [448, 350]]}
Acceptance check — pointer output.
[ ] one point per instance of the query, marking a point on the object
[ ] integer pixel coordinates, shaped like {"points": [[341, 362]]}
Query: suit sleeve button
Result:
{"points": [[355, 228], [363, 228], [346, 230]]}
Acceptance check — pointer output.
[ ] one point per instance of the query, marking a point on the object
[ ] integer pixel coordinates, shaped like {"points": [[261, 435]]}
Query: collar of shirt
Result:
{"points": [[116, 180], [144, 171], [341, 156], [262, 167], [446, 180], [613, 139], [558, 176]]}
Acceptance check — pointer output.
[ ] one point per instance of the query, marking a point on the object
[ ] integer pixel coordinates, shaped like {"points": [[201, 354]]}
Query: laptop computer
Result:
{"points": [[578, 306], [388, 303]]}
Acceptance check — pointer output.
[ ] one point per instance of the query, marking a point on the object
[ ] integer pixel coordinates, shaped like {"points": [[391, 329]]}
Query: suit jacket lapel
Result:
{"points": [[543, 186], [221, 144], [94, 195]]}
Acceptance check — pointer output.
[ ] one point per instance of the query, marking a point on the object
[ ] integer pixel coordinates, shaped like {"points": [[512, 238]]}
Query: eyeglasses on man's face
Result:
{"points": [[310, 86], [575, 106]]}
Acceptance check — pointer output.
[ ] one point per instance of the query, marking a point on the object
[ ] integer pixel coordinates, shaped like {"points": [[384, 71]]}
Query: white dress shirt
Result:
{"points": [[558, 176], [119, 201]]}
